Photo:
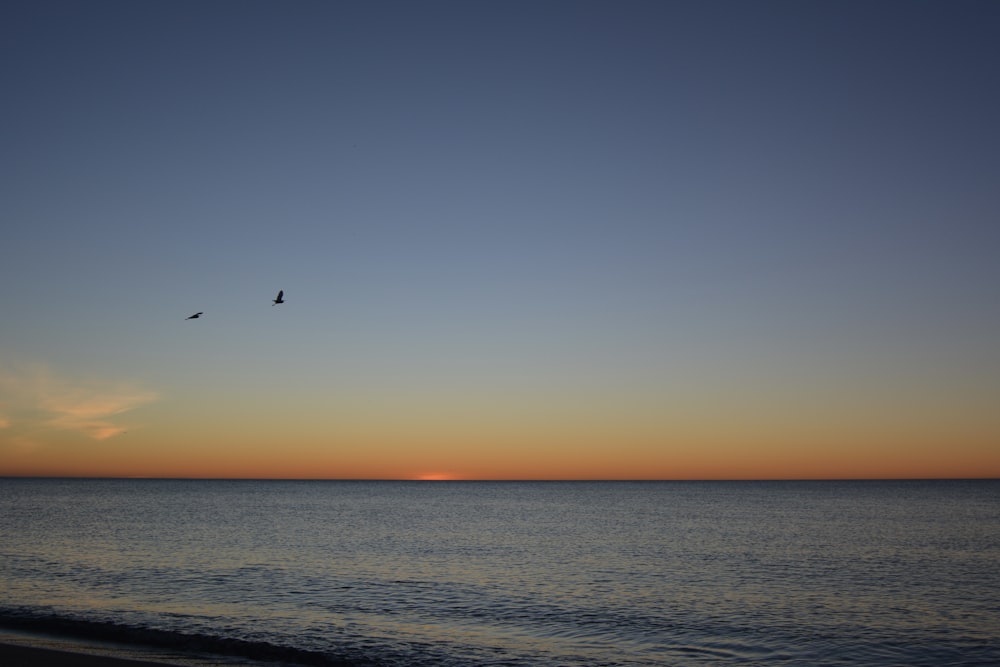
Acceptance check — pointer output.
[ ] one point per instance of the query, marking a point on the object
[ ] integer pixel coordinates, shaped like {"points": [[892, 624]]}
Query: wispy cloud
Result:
{"points": [[33, 398]]}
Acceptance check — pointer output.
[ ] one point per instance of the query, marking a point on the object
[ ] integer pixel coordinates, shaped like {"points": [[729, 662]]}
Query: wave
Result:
{"points": [[179, 642]]}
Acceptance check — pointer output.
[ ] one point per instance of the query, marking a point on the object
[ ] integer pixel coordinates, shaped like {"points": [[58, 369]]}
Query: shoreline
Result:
{"points": [[21, 647], [22, 655], [27, 648]]}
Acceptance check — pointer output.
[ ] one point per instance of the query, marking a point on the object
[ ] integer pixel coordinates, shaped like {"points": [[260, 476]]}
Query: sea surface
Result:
{"points": [[466, 574]]}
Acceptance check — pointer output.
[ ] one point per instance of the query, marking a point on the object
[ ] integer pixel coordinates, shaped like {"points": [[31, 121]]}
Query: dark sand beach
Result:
{"points": [[13, 655]]}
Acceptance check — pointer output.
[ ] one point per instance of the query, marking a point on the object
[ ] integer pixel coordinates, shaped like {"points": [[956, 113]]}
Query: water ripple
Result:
{"points": [[451, 575]]}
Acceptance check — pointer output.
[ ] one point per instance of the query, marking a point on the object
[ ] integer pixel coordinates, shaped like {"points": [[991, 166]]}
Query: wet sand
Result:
{"points": [[13, 655]]}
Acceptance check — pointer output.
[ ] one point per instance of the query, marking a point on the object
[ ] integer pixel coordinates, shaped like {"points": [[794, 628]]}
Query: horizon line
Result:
{"points": [[512, 479]]}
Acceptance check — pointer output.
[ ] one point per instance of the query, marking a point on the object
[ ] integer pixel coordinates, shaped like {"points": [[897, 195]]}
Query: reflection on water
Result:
{"points": [[467, 573]]}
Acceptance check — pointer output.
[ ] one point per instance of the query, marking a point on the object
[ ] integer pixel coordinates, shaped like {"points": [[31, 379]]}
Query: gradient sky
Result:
{"points": [[547, 239]]}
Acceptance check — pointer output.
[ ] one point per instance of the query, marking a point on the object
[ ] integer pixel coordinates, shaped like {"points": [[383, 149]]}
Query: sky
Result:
{"points": [[517, 240]]}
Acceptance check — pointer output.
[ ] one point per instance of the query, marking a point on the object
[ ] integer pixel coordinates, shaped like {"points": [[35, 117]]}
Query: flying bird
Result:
{"points": [[281, 293], [195, 316]]}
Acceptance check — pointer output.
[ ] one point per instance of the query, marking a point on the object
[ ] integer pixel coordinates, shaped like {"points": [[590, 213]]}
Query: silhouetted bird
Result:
{"points": [[281, 293], [195, 316]]}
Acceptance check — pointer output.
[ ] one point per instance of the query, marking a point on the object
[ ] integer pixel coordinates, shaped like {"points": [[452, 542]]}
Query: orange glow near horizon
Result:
{"points": [[120, 457], [505, 437]]}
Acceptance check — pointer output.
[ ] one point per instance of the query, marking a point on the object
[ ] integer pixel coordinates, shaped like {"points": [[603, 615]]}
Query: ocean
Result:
{"points": [[468, 574]]}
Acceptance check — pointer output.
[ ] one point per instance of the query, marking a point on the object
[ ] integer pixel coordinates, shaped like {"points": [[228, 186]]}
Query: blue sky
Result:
{"points": [[766, 207]]}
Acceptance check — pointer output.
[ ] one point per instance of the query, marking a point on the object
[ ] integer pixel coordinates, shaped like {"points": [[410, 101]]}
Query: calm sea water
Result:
{"points": [[511, 573]]}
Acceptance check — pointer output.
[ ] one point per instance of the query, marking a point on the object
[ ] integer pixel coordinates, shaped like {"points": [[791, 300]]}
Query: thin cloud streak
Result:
{"points": [[33, 398]]}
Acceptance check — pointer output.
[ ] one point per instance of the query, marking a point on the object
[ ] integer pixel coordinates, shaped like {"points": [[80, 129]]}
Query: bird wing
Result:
{"points": [[281, 293]]}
